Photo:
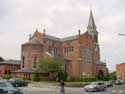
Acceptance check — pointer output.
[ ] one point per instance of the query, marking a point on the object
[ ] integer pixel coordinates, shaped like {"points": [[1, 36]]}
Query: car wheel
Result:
{"points": [[104, 89], [95, 89]]}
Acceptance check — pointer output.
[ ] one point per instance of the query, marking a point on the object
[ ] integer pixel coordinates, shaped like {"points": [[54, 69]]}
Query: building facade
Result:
{"points": [[81, 52], [120, 71], [7, 66]]}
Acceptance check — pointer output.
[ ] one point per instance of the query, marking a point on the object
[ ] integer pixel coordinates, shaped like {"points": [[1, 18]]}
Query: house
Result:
{"points": [[7, 66]]}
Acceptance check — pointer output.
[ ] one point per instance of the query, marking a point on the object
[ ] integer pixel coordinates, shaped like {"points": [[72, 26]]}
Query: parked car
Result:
{"points": [[118, 82], [18, 82], [7, 88], [95, 86], [109, 84]]}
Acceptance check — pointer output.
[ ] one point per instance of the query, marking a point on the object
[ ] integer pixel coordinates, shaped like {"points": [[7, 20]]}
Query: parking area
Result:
{"points": [[47, 88]]}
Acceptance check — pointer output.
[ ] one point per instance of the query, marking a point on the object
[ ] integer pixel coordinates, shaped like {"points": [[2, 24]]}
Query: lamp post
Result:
{"points": [[121, 34]]}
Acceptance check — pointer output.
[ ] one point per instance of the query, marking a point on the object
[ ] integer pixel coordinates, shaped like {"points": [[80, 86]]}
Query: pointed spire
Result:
{"points": [[91, 24]]}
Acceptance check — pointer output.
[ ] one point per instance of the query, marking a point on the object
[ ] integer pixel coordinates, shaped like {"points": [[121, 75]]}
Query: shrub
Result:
{"points": [[62, 75], [26, 78], [36, 77], [7, 76], [89, 79], [68, 78]]}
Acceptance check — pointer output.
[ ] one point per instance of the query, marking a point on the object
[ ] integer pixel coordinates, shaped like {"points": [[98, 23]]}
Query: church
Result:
{"points": [[81, 52]]}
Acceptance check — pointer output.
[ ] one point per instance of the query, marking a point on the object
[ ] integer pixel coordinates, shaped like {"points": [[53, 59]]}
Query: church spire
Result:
{"points": [[91, 24]]}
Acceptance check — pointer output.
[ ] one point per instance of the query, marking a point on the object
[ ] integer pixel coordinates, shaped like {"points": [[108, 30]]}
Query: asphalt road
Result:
{"points": [[118, 89]]}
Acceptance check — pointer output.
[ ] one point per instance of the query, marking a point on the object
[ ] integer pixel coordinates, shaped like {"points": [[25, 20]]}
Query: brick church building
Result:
{"points": [[81, 52]]}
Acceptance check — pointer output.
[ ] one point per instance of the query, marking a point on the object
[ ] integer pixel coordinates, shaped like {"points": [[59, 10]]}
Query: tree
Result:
{"points": [[1, 59], [51, 65], [36, 76], [112, 75]]}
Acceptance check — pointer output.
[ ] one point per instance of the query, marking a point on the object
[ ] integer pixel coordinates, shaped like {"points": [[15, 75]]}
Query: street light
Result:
{"points": [[121, 34]]}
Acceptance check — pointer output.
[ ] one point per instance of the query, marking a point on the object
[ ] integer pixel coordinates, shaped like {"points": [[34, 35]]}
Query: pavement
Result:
{"points": [[47, 88]]}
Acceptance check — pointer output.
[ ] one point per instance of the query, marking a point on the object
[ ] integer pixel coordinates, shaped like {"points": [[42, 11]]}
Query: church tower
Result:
{"points": [[91, 28]]}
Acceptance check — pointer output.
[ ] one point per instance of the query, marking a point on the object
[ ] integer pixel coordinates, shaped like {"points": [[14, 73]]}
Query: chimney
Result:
{"points": [[44, 32], [79, 32]]}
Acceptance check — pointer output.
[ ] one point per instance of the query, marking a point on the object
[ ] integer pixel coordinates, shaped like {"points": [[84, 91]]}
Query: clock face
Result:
{"points": [[86, 54]]}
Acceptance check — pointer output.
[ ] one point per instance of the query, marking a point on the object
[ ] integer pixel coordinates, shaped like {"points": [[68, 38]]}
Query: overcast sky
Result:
{"points": [[19, 18]]}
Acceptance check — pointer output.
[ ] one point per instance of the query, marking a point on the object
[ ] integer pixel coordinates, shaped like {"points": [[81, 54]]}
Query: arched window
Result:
{"points": [[23, 61], [35, 62]]}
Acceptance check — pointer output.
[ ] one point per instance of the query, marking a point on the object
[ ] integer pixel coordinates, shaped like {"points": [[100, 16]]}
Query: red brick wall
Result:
{"points": [[77, 65], [4, 67], [120, 71]]}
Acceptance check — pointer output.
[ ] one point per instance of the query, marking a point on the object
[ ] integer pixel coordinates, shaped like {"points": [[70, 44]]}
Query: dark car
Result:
{"points": [[7, 88], [118, 82], [109, 84], [18, 82]]}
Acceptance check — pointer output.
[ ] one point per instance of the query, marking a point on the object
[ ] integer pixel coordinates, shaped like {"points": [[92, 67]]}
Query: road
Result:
{"points": [[119, 89]]}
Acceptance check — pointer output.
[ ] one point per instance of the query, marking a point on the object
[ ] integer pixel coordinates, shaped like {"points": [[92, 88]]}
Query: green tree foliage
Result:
{"points": [[1, 59], [112, 75], [51, 65], [7, 76], [36, 77]]}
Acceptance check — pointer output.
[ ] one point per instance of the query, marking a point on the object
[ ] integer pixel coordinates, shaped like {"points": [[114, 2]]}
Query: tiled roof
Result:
{"points": [[10, 62]]}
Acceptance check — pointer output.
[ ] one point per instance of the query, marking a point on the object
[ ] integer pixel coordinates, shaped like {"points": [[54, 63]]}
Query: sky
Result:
{"points": [[61, 18]]}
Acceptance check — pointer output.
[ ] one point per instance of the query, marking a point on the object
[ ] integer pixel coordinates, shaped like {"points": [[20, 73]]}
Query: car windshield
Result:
{"points": [[2, 84], [93, 83], [17, 79], [5, 84]]}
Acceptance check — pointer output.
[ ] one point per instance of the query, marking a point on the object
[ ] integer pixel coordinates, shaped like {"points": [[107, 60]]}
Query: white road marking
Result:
{"points": [[120, 91]]}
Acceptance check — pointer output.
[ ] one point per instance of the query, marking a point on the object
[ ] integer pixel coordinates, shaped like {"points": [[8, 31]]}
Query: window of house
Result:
{"points": [[49, 49], [68, 49], [86, 55], [23, 61], [53, 50], [35, 62]]}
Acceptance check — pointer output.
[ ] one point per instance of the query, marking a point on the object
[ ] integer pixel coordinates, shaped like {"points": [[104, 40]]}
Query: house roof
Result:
{"points": [[62, 39], [34, 41], [25, 70], [17, 62]]}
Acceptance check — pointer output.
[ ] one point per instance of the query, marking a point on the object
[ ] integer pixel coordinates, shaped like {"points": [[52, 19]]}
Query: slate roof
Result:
{"points": [[62, 39], [10, 62], [53, 38], [25, 70], [34, 41]]}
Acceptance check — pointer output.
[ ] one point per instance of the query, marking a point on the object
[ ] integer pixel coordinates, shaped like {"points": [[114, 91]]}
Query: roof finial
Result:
{"points": [[79, 32], [30, 36], [44, 31]]}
